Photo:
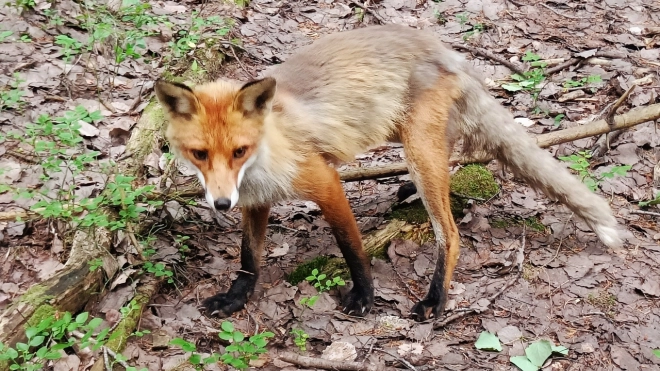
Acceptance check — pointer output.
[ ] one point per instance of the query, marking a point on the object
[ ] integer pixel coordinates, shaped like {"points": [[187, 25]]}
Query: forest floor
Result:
{"points": [[75, 78]]}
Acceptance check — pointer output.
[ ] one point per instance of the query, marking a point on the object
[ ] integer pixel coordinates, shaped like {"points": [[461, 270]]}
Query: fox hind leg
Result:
{"points": [[427, 152]]}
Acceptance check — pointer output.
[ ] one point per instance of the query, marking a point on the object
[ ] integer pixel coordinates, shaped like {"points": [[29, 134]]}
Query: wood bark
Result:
{"points": [[312, 362], [629, 119], [71, 288]]}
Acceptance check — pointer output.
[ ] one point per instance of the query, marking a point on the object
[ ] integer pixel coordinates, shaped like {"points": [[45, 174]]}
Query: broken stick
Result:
{"points": [[310, 362]]}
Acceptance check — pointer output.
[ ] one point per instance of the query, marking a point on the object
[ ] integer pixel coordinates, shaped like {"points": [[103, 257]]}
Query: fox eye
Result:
{"points": [[240, 152], [200, 155]]}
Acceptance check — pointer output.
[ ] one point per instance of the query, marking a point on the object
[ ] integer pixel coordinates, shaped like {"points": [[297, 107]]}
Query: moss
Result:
{"points": [[42, 312], [532, 222], [35, 295], [305, 269], [413, 212], [474, 181]]}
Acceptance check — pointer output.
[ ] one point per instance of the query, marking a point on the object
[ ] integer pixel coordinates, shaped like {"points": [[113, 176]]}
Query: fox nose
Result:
{"points": [[222, 204]]}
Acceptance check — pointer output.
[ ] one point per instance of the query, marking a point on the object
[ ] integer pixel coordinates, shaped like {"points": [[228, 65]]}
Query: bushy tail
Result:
{"points": [[489, 127]]}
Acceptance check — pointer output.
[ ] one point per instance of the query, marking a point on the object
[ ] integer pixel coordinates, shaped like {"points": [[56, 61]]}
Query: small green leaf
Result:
{"points": [[185, 345], [656, 352], [195, 359], [227, 326], [512, 87], [523, 363], [238, 336], [488, 341], [226, 336], [538, 352], [36, 341], [82, 318], [560, 349]]}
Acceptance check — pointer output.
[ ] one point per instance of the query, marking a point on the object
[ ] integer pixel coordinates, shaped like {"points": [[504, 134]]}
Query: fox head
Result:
{"points": [[217, 128]]}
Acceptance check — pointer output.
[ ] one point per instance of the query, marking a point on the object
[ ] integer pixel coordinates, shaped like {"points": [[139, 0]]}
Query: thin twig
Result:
{"points": [[114, 355], [233, 53], [561, 14], [457, 316], [561, 66], [106, 360], [485, 53], [610, 115], [642, 212], [403, 361], [370, 11], [560, 241]]}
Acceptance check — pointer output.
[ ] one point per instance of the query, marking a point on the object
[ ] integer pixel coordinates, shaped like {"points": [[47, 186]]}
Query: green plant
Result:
{"points": [[52, 334], [462, 18], [195, 359], [54, 18], [238, 354], [189, 39], [439, 16], [56, 142], [159, 270], [10, 97], [580, 163], [558, 119], [317, 280], [655, 201], [95, 264], [4, 35], [530, 80], [24, 4], [536, 354], [656, 352], [71, 47], [241, 351], [582, 82], [300, 338]]}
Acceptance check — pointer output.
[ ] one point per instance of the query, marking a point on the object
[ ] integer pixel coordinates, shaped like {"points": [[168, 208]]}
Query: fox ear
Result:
{"points": [[256, 97], [178, 99]]}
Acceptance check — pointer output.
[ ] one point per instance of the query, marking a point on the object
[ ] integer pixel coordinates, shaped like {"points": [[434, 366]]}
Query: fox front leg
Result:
{"points": [[320, 183], [255, 222]]}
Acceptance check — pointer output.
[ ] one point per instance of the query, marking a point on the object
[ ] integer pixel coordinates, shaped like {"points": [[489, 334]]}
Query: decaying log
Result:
{"points": [[633, 117], [72, 287]]}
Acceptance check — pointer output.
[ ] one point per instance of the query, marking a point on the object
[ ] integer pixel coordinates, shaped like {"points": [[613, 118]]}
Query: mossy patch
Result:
{"points": [[413, 212], [42, 312], [474, 181], [305, 269], [532, 222]]}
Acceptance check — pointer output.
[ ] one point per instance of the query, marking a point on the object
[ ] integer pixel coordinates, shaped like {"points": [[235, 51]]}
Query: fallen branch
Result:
{"points": [[633, 117], [312, 362], [642, 212], [485, 53], [603, 143]]}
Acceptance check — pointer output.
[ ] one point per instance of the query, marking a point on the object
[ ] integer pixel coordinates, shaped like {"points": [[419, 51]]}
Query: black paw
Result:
{"points": [[358, 302], [223, 305], [427, 309]]}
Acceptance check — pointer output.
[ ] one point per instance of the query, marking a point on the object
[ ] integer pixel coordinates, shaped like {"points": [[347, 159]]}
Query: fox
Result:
{"points": [[282, 135]]}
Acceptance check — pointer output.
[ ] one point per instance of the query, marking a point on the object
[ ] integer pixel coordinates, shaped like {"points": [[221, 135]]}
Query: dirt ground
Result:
{"points": [[601, 304]]}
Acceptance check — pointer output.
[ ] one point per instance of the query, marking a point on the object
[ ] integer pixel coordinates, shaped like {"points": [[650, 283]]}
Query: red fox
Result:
{"points": [[278, 137]]}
